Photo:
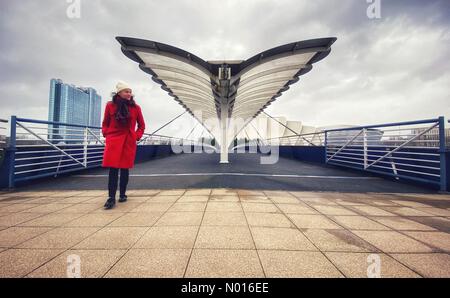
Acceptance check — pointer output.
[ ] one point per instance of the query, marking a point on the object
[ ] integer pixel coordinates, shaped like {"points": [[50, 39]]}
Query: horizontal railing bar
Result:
{"points": [[412, 165], [406, 128], [340, 156], [385, 151], [396, 163], [43, 145], [55, 156], [410, 147], [53, 150], [26, 178], [378, 166], [385, 125], [395, 158], [48, 162], [356, 163], [53, 140], [390, 158], [49, 168], [54, 123], [98, 160], [62, 135], [78, 132], [393, 175], [95, 155], [52, 129], [383, 139], [408, 171], [386, 141]]}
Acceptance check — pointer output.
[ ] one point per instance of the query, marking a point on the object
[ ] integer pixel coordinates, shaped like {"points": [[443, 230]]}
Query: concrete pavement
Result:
{"points": [[224, 232]]}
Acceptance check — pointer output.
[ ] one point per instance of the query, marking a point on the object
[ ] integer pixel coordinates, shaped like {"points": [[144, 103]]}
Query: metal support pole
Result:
{"points": [[12, 151], [224, 131], [191, 130], [168, 123], [365, 147], [296, 133], [260, 137], [85, 145], [325, 144], [443, 169]]}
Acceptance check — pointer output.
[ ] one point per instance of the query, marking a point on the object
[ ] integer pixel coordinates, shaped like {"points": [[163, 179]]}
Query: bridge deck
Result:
{"points": [[244, 171]]}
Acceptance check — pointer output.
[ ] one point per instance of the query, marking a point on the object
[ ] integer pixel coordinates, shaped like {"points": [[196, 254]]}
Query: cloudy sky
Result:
{"points": [[386, 69]]}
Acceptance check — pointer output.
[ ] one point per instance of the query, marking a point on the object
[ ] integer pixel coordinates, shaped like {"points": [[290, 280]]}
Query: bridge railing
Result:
{"points": [[44, 148], [307, 139], [3, 131], [157, 139], [38, 148], [412, 150]]}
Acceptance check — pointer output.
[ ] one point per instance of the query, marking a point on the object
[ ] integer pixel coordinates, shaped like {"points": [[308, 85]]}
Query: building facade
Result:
{"points": [[73, 105]]}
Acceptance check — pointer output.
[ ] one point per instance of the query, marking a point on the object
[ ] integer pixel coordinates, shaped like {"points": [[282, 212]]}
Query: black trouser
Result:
{"points": [[112, 182]]}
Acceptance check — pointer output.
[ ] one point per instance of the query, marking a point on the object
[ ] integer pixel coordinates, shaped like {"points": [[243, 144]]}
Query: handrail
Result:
{"points": [[385, 125], [55, 123], [393, 152]]}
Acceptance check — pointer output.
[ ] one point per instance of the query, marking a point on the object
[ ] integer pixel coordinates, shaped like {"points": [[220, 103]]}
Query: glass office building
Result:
{"points": [[73, 105]]}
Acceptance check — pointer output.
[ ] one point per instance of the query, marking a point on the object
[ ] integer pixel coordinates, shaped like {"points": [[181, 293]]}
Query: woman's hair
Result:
{"points": [[122, 114], [115, 98]]}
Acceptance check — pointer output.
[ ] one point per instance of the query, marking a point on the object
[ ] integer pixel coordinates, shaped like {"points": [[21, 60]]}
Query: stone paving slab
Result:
{"points": [[224, 233], [356, 265], [224, 263], [151, 263]]}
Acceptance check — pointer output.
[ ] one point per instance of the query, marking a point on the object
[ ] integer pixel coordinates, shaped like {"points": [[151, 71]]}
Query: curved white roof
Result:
{"points": [[243, 88]]}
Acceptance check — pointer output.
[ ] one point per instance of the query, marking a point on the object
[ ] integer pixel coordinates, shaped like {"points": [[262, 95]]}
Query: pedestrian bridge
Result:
{"points": [[384, 157], [200, 170]]}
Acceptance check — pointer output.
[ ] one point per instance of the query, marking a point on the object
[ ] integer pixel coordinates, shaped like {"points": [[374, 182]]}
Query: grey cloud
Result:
{"points": [[394, 68]]}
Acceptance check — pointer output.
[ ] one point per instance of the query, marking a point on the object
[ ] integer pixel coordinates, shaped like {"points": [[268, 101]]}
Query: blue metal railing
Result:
{"points": [[39, 148], [3, 123], [413, 150], [3, 131]]}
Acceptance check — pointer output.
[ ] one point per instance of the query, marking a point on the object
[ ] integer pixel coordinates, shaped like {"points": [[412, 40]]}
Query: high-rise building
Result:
{"points": [[73, 105]]}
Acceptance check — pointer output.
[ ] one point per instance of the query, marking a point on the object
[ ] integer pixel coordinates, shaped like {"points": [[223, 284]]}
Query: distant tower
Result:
{"points": [[73, 105]]}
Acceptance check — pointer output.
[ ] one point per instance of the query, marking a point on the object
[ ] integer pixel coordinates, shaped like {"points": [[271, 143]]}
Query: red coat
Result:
{"points": [[120, 144]]}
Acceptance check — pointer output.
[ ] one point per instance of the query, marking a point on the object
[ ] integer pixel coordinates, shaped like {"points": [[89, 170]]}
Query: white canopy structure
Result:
{"points": [[225, 94]]}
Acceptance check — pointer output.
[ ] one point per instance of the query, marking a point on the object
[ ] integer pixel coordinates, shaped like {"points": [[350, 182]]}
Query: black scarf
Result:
{"points": [[123, 112]]}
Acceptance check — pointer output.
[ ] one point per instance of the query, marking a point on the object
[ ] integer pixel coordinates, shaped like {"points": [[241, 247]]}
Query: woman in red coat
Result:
{"points": [[119, 130]]}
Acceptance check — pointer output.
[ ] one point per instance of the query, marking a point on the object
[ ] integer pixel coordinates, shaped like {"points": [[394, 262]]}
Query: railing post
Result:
{"points": [[85, 145], [365, 147], [443, 165], [12, 151], [325, 144]]}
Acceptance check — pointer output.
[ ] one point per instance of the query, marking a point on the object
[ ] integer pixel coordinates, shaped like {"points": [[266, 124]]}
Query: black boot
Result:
{"points": [[123, 198], [110, 203]]}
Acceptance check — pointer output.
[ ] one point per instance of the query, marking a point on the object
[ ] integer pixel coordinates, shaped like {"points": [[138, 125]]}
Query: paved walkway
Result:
{"points": [[225, 233]]}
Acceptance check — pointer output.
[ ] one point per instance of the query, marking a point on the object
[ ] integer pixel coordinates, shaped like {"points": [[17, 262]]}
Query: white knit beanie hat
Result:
{"points": [[121, 85]]}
